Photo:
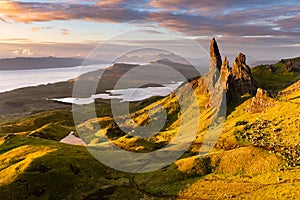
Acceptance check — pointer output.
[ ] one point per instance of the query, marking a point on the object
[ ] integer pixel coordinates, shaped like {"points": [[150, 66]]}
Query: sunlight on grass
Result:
{"points": [[15, 161]]}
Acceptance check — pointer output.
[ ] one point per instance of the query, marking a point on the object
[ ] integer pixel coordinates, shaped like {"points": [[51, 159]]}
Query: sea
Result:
{"points": [[15, 79]]}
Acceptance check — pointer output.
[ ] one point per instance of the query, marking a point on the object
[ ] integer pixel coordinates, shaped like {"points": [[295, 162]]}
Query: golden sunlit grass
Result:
{"points": [[15, 161], [52, 123], [283, 116], [267, 185], [245, 160], [252, 172]]}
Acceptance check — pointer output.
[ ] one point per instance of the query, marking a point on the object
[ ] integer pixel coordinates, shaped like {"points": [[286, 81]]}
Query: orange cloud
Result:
{"points": [[203, 6], [250, 21], [25, 12], [34, 12], [36, 29], [109, 3]]}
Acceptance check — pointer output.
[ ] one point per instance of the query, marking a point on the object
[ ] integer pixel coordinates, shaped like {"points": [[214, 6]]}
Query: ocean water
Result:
{"points": [[14, 79]]}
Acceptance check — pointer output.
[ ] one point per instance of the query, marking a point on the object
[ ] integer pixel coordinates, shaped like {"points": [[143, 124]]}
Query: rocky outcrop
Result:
{"points": [[215, 57], [289, 66], [291, 89], [225, 74], [242, 79], [260, 102], [235, 82], [214, 64], [292, 64], [271, 68]]}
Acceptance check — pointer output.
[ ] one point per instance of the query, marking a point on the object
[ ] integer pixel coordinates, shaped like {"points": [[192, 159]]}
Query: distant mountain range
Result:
{"points": [[263, 62], [21, 63]]}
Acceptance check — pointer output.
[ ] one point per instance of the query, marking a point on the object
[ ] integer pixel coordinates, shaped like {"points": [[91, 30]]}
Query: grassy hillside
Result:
{"points": [[34, 168], [256, 157], [274, 77]]}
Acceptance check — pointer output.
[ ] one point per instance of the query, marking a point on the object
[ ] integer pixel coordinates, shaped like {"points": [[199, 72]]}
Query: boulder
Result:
{"points": [[260, 102]]}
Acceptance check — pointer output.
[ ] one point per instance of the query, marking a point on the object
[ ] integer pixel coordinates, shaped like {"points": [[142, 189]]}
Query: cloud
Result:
{"points": [[36, 28], [110, 3], [210, 17], [15, 40], [239, 23], [36, 12], [216, 6], [153, 32], [23, 52], [290, 23], [64, 31], [9, 49]]}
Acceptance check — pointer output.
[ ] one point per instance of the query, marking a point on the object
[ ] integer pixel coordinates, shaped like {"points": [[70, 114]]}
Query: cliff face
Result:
{"points": [[215, 64], [235, 82], [292, 64], [225, 74], [242, 80], [215, 57]]}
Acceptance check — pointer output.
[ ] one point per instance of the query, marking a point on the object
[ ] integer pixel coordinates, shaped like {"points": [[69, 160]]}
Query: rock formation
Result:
{"points": [[225, 74], [289, 66], [215, 56], [292, 64], [215, 62], [242, 79], [235, 82], [260, 102]]}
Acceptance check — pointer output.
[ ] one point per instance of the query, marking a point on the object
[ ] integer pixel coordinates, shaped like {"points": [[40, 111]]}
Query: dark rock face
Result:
{"points": [[289, 66], [214, 64], [292, 64], [215, 56], [242, 79], [260, 102], [272, 68]]}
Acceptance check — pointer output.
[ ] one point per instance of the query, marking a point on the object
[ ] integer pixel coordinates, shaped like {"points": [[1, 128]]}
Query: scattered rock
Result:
{"points": [[260, 102], [291, 89], [11, 135], [292, 64], [271, 68]]}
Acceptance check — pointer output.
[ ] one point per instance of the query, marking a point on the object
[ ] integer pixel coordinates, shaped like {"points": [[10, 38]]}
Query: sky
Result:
{"points": [[263, 30]]}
